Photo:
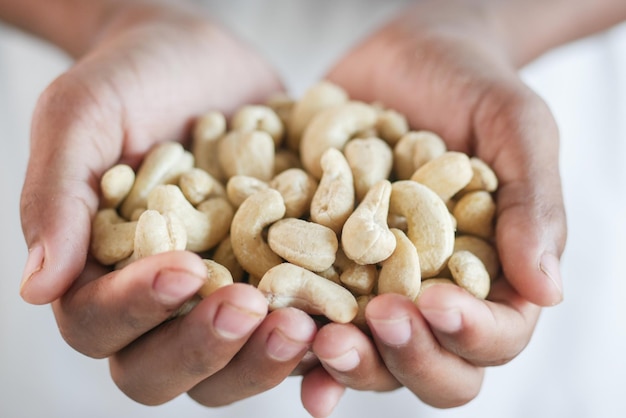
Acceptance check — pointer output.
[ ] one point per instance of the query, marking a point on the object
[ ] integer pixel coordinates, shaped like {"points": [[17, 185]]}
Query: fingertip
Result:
{"points": [[320, 393]]}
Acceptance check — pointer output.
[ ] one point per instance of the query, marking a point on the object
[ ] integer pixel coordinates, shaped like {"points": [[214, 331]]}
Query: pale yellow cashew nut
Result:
{"points": [[333, 128], [429, 226], [297, 187], [162, 165], [415, 149], [111, 237], [317, 98], [370, 160], [445, 175], [470, 273], [287, 285], [115, 185], [240, 187], [305, 244], [247, 153], [259, 118], [475, 214], [482, 249], [208, 131], [197, 185], [225, 256], [206, 225], [365, 237], [246, 233], [400, 273], [391, 126], [333, 201]]}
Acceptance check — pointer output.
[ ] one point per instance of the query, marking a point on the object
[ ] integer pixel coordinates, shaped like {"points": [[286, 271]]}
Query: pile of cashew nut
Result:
{"points": [[322, 203]]}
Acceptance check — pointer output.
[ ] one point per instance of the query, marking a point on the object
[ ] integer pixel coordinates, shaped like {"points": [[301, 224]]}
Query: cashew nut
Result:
{"points": [[225, 256], [115, 185], [111, 237], [206, 136], [414, 150], [475, 213], [365, 237], [429, 226], [333, 201], [247, 153], [481, 249], [305, 244], [446, 174], [470, 273], [370, 160], [317, 98], [206, 225], [259, 118], [289, 285], [400, 273], [332, 128], [297, 188], [240, 187], [197, 185], [255, 213]]}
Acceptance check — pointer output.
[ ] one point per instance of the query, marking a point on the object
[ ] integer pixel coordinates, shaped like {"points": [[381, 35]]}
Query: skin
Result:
{"points": [[460, 61]]}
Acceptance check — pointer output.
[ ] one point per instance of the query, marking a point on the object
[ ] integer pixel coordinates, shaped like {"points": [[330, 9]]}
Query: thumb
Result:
{"points": [[60, 192], [521, 141]]}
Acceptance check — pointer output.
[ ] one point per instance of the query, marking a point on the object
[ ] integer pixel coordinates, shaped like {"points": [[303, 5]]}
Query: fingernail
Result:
{"points": [[175, 286], [233, 322], [34, 264], [394, 332], [550, 266], [345, 362], [445, 320], [282, 348]]}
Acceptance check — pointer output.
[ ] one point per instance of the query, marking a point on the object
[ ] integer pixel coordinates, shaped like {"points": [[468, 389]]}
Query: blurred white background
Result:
{"points": [[574, 366]]}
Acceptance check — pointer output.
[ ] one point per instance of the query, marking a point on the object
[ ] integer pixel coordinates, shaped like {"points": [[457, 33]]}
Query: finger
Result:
{"points": [[413, 355], [100, 315], [352, 359], [180, 354], [517, 135], [485, 333], [59, 196], [320, 393], [269, 356]]}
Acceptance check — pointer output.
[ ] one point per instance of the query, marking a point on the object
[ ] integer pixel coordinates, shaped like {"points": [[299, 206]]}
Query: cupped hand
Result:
{"points": [[149, 73], [444, 66]]}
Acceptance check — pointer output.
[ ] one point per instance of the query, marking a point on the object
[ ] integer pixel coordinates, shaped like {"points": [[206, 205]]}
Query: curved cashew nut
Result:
{"points": [[240, 187], [429, 223], [333, 201], [209, 128], [163, 164], [318, 97], [470, 273], [305, 244], [297, 188], [414, 150], [247, 153], [332, 128], [445, 175], [197, 185], [484, 177], [391, 126], [255, 213], [400, 273], [111, 237], [217, 276], [475, 213], [370, 160], [289, 285], [156, 233], [206, 226], [259, 118], [115, 185], [481, 249], [365, 237]]}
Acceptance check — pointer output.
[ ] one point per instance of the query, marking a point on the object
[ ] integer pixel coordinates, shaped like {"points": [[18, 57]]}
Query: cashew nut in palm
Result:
{"points": [[365, 237], [414, 150], [332, 128], [208, 130], [111, 237], [446, 174], [370, 160], [115, 185], [429, 226], [259, 118], [305, 244], [297, 187], [252, 217], [333, 201], [197, 186], [475, 214], [470, 273], [400, 273], [247, 153], [289, 285]]}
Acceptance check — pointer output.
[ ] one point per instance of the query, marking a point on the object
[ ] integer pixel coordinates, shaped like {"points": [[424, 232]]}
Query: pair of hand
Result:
{"points": [[150, 73]]}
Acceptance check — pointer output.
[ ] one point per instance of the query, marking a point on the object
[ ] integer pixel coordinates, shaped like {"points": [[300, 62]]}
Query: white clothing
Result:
{"points": [[575, 364]]}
